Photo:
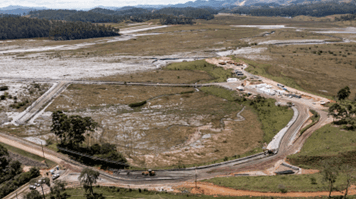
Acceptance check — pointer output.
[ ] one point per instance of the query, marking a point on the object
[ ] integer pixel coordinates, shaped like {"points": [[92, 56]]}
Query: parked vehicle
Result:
{"points": [[32, 187]]}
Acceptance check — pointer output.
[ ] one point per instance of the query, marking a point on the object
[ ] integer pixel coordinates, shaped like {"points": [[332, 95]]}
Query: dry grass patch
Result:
{"points": [[161, 76], [79, 96], [180, 38], [256, 20], [322, 69]]}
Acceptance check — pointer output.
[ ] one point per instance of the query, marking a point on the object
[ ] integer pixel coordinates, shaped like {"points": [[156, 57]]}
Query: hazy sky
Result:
{"points": [[83, 4]]}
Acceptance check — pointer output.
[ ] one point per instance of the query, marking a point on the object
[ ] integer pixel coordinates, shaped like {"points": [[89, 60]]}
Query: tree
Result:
{"points": [[344, 110], [87, 178], [34, 194], [330, 173], [349, 176], [44, 181], [343, 93], [4, 158], [58, 187], [71, 129]]}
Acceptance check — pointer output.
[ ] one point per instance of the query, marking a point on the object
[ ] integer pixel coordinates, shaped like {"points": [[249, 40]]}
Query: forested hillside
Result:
{"points": [[80, 30], [16, 27], [99, 15], [315, 10]]}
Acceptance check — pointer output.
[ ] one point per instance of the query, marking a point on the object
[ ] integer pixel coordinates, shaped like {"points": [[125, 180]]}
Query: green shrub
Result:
{"points": [[138, 104], [3, 88]]}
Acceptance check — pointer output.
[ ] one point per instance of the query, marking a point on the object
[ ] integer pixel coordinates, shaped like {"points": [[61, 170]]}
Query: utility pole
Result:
{"points": [[196, 177], [44, 154]]}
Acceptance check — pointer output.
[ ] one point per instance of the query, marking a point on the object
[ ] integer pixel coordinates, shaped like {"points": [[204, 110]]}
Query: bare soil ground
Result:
{"points": [[321, 68], [210, 189], [19, 92], [170, 128]]}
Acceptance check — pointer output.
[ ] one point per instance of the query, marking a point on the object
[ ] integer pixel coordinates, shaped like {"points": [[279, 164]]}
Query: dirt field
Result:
{"points": [[161, 76], [170, 129], [321, 68]]}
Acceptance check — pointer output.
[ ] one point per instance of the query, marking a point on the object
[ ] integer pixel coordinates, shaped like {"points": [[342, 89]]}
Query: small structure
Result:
{"points": [[280, 92], [240, 88], [232, 80], [238, 73]]}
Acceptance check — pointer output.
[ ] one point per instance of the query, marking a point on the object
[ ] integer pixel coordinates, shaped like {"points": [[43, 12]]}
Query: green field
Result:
{"points": [[273, 118], [326, 143], [28, 155], [218, 73], [292, 183]]}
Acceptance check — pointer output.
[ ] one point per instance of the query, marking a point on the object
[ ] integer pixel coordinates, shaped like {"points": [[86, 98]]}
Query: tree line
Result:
{"points": [[72, 131], [11, 175], [80, 30], [315, 10], [16, 27], [100, 15]]}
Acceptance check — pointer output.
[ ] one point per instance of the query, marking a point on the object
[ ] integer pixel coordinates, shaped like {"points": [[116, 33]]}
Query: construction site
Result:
{"points": [[181, 122]]}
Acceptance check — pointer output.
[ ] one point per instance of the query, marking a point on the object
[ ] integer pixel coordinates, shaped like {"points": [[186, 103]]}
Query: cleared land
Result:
{"points": [[176, 126], [322, 69]]}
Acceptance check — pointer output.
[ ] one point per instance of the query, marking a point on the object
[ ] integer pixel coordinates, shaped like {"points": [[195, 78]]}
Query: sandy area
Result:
{"points": [[70, 68]]}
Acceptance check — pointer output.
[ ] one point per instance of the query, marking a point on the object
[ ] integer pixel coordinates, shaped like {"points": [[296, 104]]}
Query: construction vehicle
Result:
{"points": [[148, 172]]}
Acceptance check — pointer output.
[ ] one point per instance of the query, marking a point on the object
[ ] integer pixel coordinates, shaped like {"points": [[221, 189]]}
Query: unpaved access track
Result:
{"points": [[210, 189], [43, 100]]}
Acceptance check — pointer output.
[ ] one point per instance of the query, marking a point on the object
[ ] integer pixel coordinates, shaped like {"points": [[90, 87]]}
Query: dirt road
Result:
{"points": [[41, 102], [210, 189]]}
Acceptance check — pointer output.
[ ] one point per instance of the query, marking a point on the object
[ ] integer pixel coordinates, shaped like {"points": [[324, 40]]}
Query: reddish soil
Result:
{"points": [[210, 189]]}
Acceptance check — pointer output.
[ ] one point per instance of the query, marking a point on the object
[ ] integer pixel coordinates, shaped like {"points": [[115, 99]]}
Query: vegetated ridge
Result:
{"points": [[15, 27], [315, 10], [100, 15]]}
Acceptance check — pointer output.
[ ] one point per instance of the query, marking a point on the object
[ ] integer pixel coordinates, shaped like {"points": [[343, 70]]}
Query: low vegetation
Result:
{"points": [[273, 118], [325, 69], [291, 183], [314, 119], [328, 142], [101, 96], [218, 73], [28, 155], [161, 76]]}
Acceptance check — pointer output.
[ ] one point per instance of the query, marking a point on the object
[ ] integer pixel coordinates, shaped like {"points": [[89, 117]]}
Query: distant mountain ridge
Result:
{"points": [[217, 4], [18, 10]]}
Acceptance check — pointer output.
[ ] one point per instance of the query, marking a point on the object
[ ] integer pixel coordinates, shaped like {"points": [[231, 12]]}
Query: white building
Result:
{"points": [[232, 80], [240, 88]]}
